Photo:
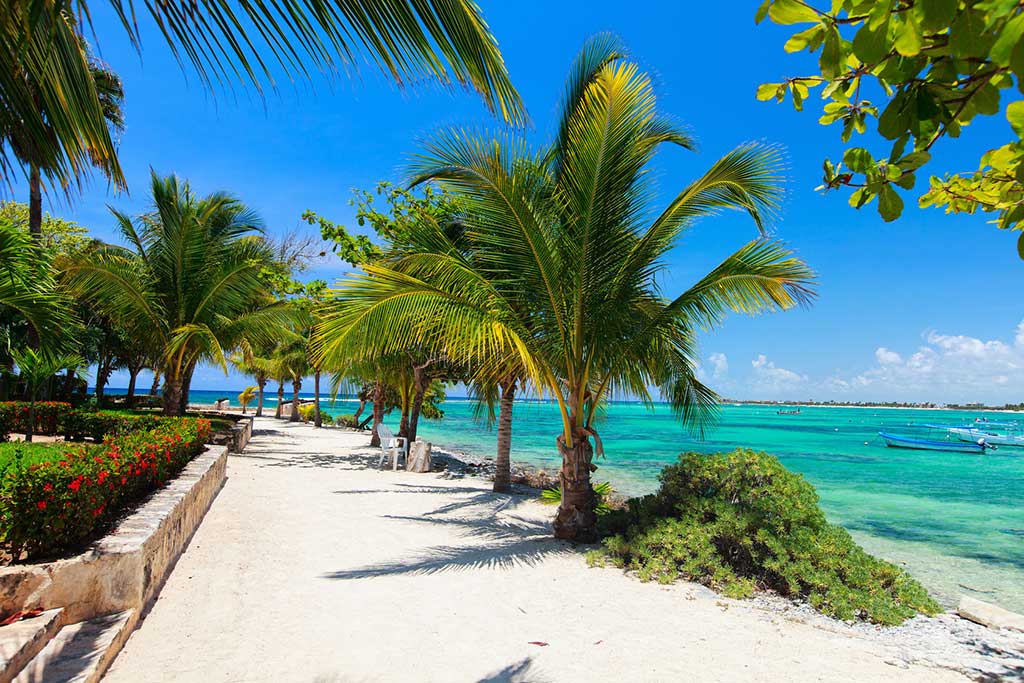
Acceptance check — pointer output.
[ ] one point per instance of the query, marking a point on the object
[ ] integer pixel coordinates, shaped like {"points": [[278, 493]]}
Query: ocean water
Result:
{"points": [[954, 520]]}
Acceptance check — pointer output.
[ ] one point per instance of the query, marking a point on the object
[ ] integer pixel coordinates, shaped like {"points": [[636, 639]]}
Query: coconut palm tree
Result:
{"points": [[36, 369], [565, 260], [46, 88], [246, 397], [189, 281]]}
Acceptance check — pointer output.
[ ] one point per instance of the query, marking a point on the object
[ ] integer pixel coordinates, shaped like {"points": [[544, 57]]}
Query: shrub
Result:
{"points": [[53, 418], [348, 421], [52, 507], [741, 521]]}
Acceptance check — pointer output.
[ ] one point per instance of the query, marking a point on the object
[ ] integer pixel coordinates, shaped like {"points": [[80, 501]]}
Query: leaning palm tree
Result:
{"points": [[565, 260], [190, 281], [45, 85], [246, 397]]}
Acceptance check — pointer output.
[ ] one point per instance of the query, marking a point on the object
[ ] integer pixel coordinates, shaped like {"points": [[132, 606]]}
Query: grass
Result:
{"points": [[33, 453]]}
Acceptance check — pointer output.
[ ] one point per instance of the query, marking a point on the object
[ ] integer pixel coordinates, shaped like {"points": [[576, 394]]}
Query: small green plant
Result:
{"points": [[247, 396], [739, 522], [603, 490]]}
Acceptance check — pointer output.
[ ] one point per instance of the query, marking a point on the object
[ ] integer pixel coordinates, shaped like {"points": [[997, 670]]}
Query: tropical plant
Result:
{"points": [[47, 89], [603, 491], [28, 283], [189, 283], [742, 522], [562, 267], [38, 367], [938, 65], [247, 396]]}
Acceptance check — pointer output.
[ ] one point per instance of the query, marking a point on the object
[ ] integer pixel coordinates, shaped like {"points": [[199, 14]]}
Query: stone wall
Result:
{"points": [[126, 568]]}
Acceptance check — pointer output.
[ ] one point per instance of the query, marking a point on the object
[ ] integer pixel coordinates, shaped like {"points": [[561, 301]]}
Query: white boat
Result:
{"points": [[914, 443], [986, 432]]}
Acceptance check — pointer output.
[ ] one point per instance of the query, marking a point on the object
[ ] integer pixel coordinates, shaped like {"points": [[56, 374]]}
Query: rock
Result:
{"points": [[989, 615]]}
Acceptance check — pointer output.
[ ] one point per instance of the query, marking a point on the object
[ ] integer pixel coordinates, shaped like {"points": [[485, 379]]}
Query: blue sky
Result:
{"points": [[920, 309]]}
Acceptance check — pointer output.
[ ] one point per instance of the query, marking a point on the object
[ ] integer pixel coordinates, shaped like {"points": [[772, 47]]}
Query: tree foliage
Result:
{"points": [[917, 71]]}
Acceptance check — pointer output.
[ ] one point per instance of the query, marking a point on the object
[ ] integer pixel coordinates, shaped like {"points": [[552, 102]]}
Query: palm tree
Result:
{"points": [[564, 263], [28, 284], [190, 281], [48, 91], [246, 397], [36, 369]]}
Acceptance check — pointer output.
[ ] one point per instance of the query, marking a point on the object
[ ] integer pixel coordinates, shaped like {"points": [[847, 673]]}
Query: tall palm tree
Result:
{"points": [[46, 87], [190, 281], [565, 262]]}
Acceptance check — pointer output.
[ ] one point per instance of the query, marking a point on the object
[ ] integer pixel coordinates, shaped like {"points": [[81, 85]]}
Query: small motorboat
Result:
{"points": [[999, 433], [928, 437]]}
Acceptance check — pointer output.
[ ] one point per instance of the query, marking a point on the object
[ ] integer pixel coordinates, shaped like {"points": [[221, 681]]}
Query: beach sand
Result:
{"points": [[312, 565]]}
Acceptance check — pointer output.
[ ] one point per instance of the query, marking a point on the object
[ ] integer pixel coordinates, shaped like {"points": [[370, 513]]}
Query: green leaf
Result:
{"points": [[890, 204], [914, 160], [858, 160], [1020, 246], [767, 91], [1008, 39], [966, 35], [937, 14], [830, 61], [808, 39], [791, 12], [906, 181], [908, 36], [870, 45], [1015, 115], [879, 14], [762, 11], [1017, 64]]}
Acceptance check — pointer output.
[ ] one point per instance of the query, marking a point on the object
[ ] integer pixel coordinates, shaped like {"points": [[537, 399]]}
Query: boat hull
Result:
{"points": [[894, 441], [972, 435]]}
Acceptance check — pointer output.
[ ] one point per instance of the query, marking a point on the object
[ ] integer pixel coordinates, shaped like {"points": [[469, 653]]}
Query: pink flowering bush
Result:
{"points": [[51, 508]]}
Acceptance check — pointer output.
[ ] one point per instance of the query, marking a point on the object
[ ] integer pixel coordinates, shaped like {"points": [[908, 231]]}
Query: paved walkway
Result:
{"points": [[313, 566]]}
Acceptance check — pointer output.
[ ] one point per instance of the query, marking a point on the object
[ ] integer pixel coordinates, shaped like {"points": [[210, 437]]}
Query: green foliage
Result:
{"points": [[348, 421], [602, 490], [60, 237], [741, 521], [55, 507], [937, 65], [247, 396], [55, 418], [307, 410]]}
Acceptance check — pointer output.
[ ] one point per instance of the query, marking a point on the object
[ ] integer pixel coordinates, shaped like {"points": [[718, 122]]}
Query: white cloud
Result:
{"points": [[886, 357], [771, 379], [720, 364], [949, 368]]}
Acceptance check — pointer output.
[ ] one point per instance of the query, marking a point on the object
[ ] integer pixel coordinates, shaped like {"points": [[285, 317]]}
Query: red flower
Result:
{"points": [[48, 486], [75, 484], [41, 505]]}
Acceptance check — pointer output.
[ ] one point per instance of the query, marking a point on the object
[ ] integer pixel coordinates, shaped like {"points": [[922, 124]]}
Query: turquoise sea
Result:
{"points": [[954, 520]]}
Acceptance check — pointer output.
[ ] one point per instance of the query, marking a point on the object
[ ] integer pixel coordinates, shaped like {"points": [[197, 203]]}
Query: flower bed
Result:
{"points": [[53, 418], [52, 507]]}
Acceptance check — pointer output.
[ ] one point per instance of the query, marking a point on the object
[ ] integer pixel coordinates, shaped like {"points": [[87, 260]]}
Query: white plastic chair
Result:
{"points": [[390, 442]]}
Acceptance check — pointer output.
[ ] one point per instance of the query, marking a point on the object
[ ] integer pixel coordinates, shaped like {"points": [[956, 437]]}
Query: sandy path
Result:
{"points": [[312, 566]]}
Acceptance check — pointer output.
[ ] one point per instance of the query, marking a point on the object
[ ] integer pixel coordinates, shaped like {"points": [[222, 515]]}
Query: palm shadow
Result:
{"points": [[494, 539], [522, 671]]}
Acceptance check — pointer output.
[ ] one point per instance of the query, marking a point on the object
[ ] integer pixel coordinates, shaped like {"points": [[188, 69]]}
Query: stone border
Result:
{"points": [[126, 568]]}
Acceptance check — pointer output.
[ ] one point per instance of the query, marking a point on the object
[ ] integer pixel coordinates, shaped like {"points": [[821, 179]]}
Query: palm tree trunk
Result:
{"points": [[262, 382], [155, 387], [69, 383], [172, 396], [296, 385], [317, 420], [133, 375], [31, 428], [186, 386], [378, 412], [35, 202], [503, 463], [576, 519], [280, 398], [102, 375], [421, 382]]}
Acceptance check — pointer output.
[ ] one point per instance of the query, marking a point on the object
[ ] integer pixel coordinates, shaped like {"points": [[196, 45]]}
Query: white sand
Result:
{"points": [[312, 566]]}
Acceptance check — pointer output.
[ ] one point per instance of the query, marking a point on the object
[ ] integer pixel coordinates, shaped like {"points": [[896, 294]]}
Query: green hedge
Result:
{"points": [[55, 507], [740, 522], [55, 418]]}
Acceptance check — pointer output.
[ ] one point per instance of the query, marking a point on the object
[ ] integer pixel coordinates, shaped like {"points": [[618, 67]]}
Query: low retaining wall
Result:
{"points": [[126, 568]]}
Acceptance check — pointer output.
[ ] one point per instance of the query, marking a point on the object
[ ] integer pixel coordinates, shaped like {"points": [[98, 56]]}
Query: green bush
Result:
{"points": [[53, 507], [348, 421], [740, 521], [53, 418], [306, 411]]}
